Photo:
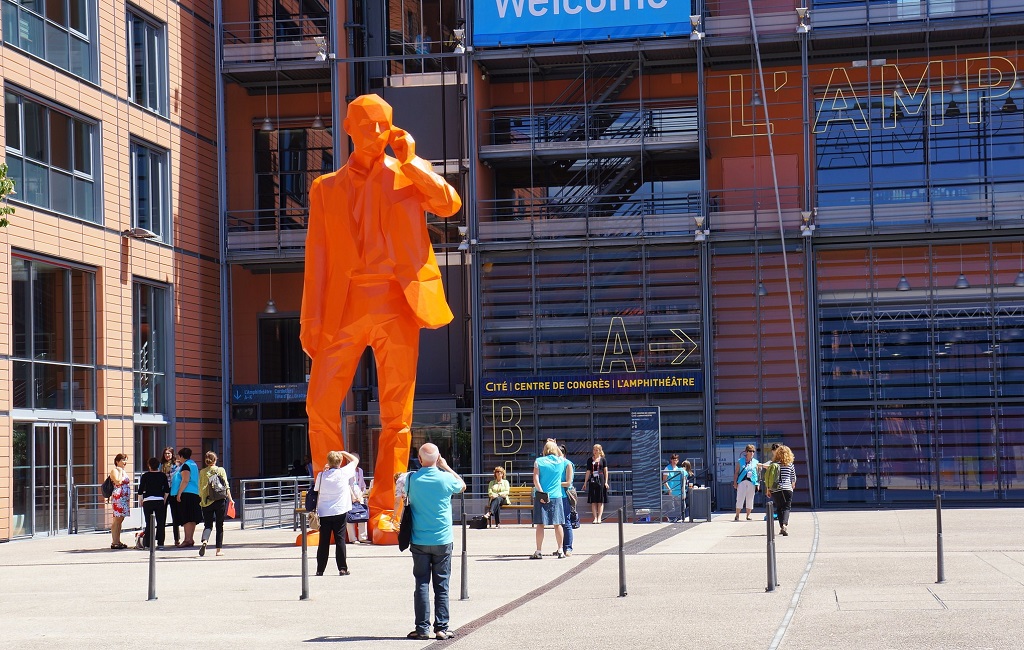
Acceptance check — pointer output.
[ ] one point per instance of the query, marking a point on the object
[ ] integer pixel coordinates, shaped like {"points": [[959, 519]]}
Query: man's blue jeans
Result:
{"points": [[567, 529], [431, 563]]}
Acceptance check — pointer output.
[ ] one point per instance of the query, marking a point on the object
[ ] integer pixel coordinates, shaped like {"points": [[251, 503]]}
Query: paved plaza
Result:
{"points": [[854, 579]]}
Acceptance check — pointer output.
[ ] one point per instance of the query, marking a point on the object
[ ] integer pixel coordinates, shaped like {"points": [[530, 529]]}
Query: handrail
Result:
{"points": [[597, 206], [88, 508], [270, 30], [610, 121]]}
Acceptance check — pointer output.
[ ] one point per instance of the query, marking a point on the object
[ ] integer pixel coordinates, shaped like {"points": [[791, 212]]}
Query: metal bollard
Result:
{"points": [[151, 534], [622, 554], [773, 575], [465, 558], [941, 577], [301, 510]]}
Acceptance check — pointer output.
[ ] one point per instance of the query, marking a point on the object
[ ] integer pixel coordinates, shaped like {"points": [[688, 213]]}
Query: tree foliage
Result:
{"points": [[6, 189]]}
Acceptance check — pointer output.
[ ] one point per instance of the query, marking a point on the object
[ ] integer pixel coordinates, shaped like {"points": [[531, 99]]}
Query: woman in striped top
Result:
{"points": [[782, 496]]}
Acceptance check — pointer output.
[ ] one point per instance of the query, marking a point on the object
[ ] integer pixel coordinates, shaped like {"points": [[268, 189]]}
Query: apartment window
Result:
{"points": [[151, 206], [287, 161], [50, 156], [150, 441], [147, 62], [151, 348], [58, 31], [53, 322]]}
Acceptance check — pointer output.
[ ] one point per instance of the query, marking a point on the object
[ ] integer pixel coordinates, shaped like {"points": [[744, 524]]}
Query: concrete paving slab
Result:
{"points": [[863, 578]]}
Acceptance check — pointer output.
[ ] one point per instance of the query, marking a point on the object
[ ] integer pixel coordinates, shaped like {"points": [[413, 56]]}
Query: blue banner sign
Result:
{"points": [[604, 384], [267, 393], [521, 22]]}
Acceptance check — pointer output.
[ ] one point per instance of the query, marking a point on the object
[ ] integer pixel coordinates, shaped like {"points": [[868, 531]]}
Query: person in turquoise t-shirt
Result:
{"points": [[673, 478], [429, 491], [551, 475], [746, 481]]}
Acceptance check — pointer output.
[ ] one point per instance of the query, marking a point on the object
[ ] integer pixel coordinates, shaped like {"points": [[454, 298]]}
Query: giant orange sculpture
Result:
{"points": [[371, 279]]}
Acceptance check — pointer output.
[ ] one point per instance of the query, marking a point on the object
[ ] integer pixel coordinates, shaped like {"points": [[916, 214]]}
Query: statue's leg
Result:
{"points": [[329, 381], [396, 349]]}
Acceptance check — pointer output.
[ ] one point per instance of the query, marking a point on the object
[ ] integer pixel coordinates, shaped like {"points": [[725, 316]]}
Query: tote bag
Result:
{"points": [[405, 528]]}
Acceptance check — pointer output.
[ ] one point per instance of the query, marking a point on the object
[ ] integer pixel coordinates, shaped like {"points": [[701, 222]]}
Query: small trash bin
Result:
{"points": [[700, 503]]}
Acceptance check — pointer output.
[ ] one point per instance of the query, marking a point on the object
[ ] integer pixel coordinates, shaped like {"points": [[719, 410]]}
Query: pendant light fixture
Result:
{"points": [[318, 123], [267, 125], [902, 285], [271, 308], [961, 280]]}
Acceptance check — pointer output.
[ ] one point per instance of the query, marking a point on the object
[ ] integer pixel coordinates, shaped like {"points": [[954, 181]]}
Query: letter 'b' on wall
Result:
{"points": [[506, 414]]}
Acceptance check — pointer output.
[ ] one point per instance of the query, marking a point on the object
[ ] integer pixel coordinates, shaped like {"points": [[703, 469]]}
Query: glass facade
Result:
{"points": [[815, 250], [920, 386], [53, 318]]}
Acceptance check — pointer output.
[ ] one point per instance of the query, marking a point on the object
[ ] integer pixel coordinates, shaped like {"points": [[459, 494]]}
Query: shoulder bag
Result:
{"points": [[405, 528]]}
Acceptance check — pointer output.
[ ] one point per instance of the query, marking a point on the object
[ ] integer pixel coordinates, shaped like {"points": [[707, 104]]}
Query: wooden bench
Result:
{"points": [[520, 498]]}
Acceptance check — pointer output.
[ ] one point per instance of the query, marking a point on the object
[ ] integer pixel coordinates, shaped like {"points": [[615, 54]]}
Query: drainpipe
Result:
{"points": [[225, 269]]}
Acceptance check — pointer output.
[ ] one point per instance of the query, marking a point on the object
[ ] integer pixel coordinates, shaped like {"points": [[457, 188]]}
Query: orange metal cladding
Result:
{"points": [[371, 278]]}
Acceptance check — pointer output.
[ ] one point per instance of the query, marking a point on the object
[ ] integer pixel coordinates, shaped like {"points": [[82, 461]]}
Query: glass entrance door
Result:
{"points": [[42, 477]]}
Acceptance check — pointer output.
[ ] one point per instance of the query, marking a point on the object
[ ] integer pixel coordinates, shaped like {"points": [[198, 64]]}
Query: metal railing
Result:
{"points": [[275, 231], [620, 492], [88, 509], [271, 502], [268, 40], [609, 121]]}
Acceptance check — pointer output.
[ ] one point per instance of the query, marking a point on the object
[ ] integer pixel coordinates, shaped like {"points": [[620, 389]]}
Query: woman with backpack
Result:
{"points": [[120, 498], [780, 481], [214, 497]]}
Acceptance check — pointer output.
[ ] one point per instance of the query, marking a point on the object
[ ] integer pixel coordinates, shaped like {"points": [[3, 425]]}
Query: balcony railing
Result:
{"points": [[270, 41], [267, 233], [588, 216], [608, 123]]}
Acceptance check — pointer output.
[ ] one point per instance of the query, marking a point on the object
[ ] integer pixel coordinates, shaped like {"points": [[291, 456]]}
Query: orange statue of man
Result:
{"points": [[371, 279]]}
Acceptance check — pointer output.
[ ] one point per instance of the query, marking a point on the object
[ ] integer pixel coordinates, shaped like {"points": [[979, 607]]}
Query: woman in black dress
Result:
{"points": [[596, 483]]}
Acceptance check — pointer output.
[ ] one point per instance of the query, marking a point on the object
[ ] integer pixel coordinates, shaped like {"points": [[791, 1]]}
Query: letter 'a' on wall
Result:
{"points": [[522, 22]]}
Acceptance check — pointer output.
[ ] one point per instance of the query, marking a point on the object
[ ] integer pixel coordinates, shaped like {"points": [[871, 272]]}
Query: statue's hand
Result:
{"points": [[402, 144]]}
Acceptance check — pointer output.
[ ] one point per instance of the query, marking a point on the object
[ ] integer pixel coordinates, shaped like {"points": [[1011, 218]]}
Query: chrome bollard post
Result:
{"points": [[301, 510], [773, 576], [622, 553], [941, 566], [151, 534], [465, 557]]}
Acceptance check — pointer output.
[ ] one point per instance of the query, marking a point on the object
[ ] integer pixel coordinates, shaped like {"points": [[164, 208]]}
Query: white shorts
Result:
{"points": [[745, 494]]}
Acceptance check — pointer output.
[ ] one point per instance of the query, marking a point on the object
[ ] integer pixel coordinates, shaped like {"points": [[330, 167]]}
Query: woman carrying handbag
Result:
{"points": [[334, 500]]}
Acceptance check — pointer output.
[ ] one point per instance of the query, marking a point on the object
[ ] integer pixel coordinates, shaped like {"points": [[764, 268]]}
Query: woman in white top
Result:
{"points": [[334, 500]]}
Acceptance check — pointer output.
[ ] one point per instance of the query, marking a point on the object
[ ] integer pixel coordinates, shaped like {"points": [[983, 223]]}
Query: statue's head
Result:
{"points": [[368, 123]]}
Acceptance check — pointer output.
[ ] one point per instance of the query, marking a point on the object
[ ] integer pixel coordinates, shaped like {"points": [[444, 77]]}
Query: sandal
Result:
{"points": [[416, 634], [118, 546], [537, 555]]}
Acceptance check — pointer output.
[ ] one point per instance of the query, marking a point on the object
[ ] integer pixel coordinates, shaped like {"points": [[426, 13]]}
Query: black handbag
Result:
{"points": [[405, 528], [312, 496]]}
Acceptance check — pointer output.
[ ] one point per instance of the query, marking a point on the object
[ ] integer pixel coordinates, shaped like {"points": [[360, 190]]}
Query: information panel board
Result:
{"points": [[646, 452], [522, 22]]}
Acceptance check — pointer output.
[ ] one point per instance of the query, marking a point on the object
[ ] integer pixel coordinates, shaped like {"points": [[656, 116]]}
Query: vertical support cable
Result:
{"points": [[782, 236]]}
